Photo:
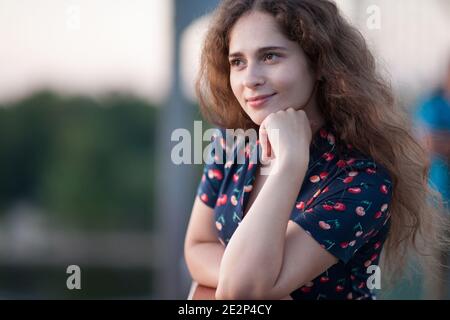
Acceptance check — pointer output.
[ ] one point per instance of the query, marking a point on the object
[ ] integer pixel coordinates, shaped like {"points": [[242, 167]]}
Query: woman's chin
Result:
{"points": [[258, 117], [257, 120]]}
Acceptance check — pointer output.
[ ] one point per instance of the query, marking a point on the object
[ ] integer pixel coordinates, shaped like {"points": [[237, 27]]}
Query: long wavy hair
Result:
{"points": [[353, 98]]}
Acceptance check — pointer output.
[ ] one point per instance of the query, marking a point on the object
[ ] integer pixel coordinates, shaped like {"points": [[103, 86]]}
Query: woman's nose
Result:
{"points": [[253, 77]]}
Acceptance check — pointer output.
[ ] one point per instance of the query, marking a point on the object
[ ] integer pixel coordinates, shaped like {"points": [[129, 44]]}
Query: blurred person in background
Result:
{"points": [[432, 122]]}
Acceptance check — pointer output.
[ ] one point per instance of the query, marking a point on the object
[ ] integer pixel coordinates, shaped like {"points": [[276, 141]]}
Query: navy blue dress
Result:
{"points": [[343, 204]]}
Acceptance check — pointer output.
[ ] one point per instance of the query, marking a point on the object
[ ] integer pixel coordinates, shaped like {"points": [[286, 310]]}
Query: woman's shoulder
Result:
{"points": [[362, 173], [356, 161], [344, 159]]}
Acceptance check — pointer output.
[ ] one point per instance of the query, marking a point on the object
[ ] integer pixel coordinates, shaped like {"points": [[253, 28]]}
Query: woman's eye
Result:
{"points": [[235, 62], [270, 56]]}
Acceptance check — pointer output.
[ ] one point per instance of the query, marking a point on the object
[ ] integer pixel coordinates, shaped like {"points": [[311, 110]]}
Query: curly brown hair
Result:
{"points": [[353, 98]]}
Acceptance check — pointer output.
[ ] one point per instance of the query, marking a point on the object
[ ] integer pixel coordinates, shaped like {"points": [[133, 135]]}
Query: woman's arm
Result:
{"points": [[202, 250], [203, 260], [254, 255]]}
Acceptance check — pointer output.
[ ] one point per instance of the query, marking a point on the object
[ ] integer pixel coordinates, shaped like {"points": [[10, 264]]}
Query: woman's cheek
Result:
{"points": [[235, 88]]}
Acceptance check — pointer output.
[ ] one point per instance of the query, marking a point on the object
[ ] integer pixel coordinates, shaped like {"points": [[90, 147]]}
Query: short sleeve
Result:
{"points": [[213, 171], [348, 211]]}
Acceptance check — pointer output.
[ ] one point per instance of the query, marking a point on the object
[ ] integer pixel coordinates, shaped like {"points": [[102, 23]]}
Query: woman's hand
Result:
{"points": [[285, 137]]}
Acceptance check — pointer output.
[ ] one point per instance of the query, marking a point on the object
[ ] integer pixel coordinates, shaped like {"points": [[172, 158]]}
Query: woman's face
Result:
{"points": [[266, 64]]}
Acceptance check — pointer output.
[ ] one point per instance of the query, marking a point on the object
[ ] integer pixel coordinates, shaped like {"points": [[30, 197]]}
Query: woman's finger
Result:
{"points": [[264, 141]]}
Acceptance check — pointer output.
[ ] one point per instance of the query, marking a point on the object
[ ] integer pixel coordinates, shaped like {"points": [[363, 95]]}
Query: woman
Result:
{"points": [[346, 179]]}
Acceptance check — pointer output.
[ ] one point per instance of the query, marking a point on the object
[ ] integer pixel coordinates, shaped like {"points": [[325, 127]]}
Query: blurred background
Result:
{"points": [[90, 92]]}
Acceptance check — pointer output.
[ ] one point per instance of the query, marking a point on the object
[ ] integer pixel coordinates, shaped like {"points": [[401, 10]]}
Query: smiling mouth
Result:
{"points": [[260, 101]]}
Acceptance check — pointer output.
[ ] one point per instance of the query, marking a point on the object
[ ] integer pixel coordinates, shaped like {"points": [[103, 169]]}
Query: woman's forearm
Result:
{"points": [[203, 261], [254, 255]]}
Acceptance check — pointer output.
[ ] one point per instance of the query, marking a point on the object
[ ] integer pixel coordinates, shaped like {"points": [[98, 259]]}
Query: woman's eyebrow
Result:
{"points": [[259, 51]]}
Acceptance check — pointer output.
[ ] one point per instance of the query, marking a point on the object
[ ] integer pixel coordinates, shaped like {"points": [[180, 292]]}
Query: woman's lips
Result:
{"points": [[259, 102]]}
